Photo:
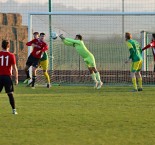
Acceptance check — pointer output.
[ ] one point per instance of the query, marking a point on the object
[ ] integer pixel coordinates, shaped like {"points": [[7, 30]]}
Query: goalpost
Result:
{"points": [[103, 34], [147, 55]]}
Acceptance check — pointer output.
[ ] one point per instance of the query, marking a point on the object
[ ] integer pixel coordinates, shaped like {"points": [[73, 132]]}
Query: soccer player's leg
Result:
{"points": [[44, 65], [9, 89], [97, 74], [12, 102], [98, 78], [26, 69], [1, 83], [90, 61], [139, 77], [134, 67], [93, 76], [100, 83], [34, 70]]}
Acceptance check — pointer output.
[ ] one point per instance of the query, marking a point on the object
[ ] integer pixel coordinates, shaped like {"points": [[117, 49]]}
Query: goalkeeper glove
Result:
{"points": [[61, 36]]}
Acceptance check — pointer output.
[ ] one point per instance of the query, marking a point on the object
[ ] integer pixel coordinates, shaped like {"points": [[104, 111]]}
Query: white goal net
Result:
{"points": [[103, 34]]}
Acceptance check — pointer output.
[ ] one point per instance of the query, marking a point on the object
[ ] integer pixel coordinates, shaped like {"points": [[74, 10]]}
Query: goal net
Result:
{"points": [[103, 34], [149, 62]]}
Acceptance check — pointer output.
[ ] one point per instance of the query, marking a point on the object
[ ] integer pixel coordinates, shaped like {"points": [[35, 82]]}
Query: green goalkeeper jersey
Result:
{"points": [[79, 46], [135, 50], [44, 57]]}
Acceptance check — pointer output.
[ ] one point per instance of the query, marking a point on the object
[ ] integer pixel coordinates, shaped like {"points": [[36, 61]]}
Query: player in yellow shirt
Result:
{"points": [[136, 57], [88, 57]]}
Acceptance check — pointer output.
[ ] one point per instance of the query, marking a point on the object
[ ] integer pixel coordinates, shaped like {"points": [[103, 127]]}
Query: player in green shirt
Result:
{"points": [[136, 57], [86, 55]]}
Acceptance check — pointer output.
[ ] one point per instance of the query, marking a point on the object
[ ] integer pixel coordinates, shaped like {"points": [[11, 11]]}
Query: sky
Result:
{"points": [[25, 1], [80, 1], [97, 4], [26, 6]]}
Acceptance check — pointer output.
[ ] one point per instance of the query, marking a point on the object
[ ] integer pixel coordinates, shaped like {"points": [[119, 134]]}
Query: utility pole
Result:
{"points": [[122, 20], [50, 37]]}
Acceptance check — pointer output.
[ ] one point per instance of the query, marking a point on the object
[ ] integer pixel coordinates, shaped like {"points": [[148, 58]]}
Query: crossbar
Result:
{"points": [[92, 13]]}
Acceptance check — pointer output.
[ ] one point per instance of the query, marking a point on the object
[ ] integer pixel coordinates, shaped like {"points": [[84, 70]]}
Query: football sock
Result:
{"points": [[33, 80], [47, 77], [93, 77], [134, 83], [12, 101], [98, 76], [14, 110], [140, 82]]}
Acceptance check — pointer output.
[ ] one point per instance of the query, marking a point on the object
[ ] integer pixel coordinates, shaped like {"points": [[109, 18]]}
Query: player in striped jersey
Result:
{"points": [[136, 57]]}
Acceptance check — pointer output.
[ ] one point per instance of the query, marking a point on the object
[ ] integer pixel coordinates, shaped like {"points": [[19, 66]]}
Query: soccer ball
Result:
{"points": [[54, 35]]}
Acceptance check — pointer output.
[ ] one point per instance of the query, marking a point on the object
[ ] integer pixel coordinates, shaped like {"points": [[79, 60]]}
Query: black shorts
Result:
{"points": [[154, 67], [32, 61], [6, 82]]}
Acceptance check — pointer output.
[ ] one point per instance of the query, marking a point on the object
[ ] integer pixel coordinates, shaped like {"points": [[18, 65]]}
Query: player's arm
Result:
{"points": [[67, 42], [14, 67], [15, 72], [30, 43], [146, 47], [45, 48], [73, 41]]}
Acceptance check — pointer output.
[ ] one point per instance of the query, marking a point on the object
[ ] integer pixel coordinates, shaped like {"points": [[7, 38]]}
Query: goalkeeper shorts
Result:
{"points": [[90, 61]]}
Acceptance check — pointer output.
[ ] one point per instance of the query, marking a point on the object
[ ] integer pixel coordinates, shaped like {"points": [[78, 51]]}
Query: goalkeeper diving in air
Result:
{"points": [[88, 57]]}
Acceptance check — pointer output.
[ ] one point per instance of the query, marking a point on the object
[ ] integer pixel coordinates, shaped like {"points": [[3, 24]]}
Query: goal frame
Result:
{"points": [[30, 18], [81, 13]]}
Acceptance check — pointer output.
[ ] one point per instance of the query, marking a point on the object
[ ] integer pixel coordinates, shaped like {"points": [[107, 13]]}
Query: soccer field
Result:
{"points": [[78, 115]]}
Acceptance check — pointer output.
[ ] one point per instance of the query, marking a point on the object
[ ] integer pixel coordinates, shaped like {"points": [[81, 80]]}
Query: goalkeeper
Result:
{"points": [[86, 55], [136, 57]]}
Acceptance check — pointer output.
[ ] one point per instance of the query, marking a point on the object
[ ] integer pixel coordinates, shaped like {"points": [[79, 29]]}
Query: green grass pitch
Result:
{"points": [[78, 115]]}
